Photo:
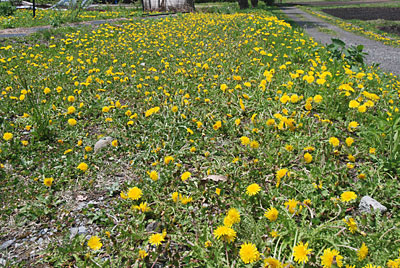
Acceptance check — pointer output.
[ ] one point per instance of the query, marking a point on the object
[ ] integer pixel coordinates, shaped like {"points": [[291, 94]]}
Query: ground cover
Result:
{"points": [[381, 26], [227, 141], [23, 17]]}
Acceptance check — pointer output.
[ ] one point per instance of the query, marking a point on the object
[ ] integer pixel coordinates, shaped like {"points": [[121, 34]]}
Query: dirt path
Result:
{"points": [[387, 57]]}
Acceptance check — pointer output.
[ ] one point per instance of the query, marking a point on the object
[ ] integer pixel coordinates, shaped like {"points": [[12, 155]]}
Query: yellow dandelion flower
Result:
{"points": [[349, 141], [348, 196], [331, 256], [245, 140], [300, 252], [156, 239], [94, 243], [334, 141], [135, 193], [186, 175], [82, 167], [7, 136], [48, 181], [142, 254], [72, 122], [362, 252], [291, 205], [352, 126], [352, 224], [272, 214], [308, 157], [249, 253], [272, 263], [253, 189], [168, 159], [225, 233], [153, 175]]}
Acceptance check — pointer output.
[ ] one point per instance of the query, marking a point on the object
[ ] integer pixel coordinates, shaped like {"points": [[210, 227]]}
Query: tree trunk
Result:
{"points": [[243, 4], [254, 3]]}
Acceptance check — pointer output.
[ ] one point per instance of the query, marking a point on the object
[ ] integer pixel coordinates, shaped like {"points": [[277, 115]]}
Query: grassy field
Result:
{"points": [[229, 140], [23, 18]]}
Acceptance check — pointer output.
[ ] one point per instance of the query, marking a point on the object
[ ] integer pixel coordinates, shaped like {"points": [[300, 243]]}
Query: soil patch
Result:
{"points": [[393, 29], [365, 13]]}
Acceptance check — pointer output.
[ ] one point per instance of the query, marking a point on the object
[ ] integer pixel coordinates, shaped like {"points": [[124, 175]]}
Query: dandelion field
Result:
{"points": [[228, 140]]}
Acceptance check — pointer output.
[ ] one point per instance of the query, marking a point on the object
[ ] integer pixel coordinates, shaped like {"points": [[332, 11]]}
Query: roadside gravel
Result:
{"points": [[387, 57]]}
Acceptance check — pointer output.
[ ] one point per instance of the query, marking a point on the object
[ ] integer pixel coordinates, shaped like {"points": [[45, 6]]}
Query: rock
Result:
{"points": [[103, 142], [3, 262], [152, 226], [7, 244], [216, 178], [82, 230], [368, 202], [77, 230]]}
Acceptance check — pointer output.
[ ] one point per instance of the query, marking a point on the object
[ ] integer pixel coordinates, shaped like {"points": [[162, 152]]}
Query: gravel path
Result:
{"points": [[387, 57]]}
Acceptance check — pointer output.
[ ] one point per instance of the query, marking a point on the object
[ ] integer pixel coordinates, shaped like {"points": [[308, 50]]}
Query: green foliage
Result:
{"points": [[7, 9], [353, 55]]}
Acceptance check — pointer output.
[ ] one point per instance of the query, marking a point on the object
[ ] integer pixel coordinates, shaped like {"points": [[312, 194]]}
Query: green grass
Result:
{"points": [[242, 96], [23, 18]]}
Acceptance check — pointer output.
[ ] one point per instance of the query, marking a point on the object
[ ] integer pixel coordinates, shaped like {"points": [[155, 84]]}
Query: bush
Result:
{"points": [[6, 9]]}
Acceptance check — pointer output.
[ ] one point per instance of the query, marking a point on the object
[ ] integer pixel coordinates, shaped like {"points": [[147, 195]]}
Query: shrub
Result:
{"points": [[6, 9]]}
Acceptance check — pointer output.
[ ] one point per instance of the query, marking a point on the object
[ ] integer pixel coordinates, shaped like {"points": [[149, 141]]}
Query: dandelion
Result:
{"points": [[175, 196], [217, 125], [232, 217], [331, 256], [253, 189], [372, 150], [218, 191], [207, 244], [362, 252], [348, 196], [354, 104], [186, 175], [82, 167], [272, 214], [225, 233], [7, 136], [114, 143], [272, 263], [48, 181], [94, 243], [254, 144], [351, 223], [334, 141], [317, 98], [300, 252], [142, 254], [135, 193], [72, 122], [352, 126], [156, 239], [244, 140], [349, 141], [249, 253], [308, 157], [142, 207], [153, 175], [280, 174], [291, 205], [393, 263], [168, 159]]}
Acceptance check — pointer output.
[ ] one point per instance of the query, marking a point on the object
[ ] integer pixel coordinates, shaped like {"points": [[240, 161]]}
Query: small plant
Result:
{"points": [[354, 55], [6, 9]]}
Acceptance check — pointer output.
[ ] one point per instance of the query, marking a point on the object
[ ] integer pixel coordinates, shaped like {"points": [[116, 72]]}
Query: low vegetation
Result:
{"points": [[228, 140]]}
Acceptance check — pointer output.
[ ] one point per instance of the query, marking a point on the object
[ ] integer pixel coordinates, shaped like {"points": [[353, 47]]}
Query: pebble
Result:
{"points": [[368, 202], [7, 244], [152, 226]]}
